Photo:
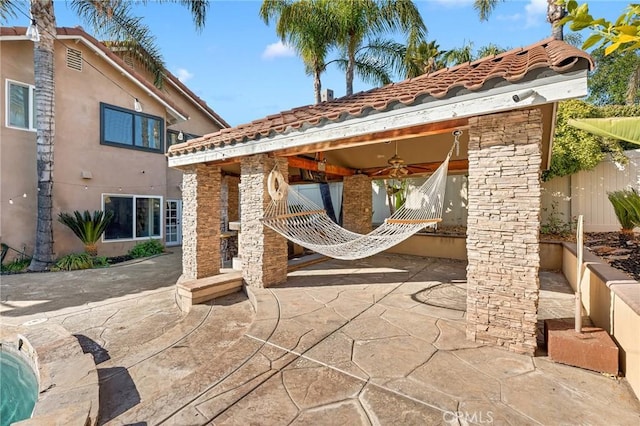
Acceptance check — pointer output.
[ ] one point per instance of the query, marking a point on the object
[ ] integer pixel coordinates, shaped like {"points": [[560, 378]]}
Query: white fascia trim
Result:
{"points": [[547, 90], [196, 103], [124, 72]]}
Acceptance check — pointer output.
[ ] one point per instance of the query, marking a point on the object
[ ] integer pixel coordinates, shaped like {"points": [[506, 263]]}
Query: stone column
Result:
{"points": [[357, 203], [503, 227], [233, 183], [263, 251], [200, 222]]}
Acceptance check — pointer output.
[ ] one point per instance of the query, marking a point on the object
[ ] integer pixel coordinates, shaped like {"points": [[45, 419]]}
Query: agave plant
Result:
{"points": [[87, 228], [626, 204]]}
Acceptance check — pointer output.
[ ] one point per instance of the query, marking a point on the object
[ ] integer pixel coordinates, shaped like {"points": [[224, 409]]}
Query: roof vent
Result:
{"points": [[74, 59], [326, 95]]}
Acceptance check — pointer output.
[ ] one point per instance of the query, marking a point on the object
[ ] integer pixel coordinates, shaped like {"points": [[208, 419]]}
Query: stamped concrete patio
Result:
{"points": [[375, 341]]}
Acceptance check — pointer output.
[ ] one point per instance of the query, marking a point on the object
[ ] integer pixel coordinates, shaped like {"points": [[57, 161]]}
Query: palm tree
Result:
{"points": [[88, 228], [459, 55], [308, 27], [424, 58], [555, 13], [377, 61], [361, 20], [110, 15]]}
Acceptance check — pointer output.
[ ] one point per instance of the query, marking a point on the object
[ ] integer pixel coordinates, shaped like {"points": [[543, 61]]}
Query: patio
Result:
{"points": [[376, 341]]}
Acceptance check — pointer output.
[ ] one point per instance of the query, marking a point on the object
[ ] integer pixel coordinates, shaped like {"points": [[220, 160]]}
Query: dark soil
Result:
{"points": [[617, 250], [118, 259]]}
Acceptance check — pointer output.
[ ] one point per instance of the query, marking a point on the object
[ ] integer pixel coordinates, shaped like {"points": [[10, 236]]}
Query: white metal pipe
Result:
{"points": [[579, 249]]}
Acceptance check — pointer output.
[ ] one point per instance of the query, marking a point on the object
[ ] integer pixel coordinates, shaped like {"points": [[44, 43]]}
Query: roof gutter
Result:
{"points": [[203, 109]]}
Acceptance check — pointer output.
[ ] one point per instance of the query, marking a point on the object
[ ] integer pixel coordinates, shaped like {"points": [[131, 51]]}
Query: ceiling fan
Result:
{"points": [[397, 167]]}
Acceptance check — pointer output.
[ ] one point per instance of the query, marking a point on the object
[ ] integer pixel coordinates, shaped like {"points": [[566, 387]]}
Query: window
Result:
{"points": [[172, 137], [134, 217], [20, 106], [123, 127]]}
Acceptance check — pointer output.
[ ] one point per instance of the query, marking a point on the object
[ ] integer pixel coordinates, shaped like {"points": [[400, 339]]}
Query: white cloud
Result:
{"points": [[536, 12], [509, 18], [277, 50], [183, 75]]}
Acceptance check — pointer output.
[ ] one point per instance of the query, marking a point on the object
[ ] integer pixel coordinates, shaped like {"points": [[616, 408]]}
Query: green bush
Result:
{"points": [[146, 249], [626, 204], [100, 262], [556, 223], [74, 262], [17, 265]]}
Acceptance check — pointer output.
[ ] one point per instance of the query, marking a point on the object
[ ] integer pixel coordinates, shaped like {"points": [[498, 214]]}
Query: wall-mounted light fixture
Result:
{"points": [[136, 105]]}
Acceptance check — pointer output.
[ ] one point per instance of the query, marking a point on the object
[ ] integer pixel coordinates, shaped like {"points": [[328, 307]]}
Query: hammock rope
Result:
{"points": [[305, 223]]}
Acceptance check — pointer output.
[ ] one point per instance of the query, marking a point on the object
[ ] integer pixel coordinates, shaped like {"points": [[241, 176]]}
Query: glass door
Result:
{"points": [[173, 221]]}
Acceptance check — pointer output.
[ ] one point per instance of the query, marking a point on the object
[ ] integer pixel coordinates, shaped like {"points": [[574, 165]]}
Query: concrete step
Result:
{"points": [[193, 292]]}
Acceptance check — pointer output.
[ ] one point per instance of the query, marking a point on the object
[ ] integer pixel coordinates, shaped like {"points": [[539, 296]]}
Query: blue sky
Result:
{"points": [[237, 65]]}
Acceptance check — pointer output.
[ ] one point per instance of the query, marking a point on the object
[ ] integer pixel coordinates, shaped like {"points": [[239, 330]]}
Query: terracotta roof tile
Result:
{"points": [[511, 66]]}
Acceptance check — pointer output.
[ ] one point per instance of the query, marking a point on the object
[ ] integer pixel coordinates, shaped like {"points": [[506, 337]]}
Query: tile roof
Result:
{"points": [[511, 66], [79, 32]]}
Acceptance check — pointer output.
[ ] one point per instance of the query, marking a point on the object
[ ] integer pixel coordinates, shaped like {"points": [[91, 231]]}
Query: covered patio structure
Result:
{"points": [[505, 106]]}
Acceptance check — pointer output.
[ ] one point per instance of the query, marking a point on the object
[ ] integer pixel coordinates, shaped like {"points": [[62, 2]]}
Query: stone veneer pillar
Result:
{"points": [[503, 229], [263, 252], [200, 221], [357, 203]]}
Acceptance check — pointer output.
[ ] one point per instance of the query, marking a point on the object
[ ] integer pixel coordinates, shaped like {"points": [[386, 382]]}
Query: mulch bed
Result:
{"points": [[619, 252]]}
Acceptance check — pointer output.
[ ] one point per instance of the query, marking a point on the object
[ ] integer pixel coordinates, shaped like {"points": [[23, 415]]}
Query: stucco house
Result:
{"points": [[113, 128]]}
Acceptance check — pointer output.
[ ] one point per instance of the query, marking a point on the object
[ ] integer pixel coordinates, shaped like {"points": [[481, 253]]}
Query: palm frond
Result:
{"points": [[112, 20], [7, 10], [485, 7], [88, 228]]}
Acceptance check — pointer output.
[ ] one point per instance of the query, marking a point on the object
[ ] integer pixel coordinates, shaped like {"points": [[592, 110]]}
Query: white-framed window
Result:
{"points": [[135, 217], [20, 109]]}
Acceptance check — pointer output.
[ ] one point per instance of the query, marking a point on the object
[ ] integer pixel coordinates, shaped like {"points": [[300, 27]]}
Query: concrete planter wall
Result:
{"points": [[454, 247], [612, 301]]}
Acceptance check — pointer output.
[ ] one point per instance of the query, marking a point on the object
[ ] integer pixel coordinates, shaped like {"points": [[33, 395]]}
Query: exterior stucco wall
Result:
{"points": [[114, 170]]}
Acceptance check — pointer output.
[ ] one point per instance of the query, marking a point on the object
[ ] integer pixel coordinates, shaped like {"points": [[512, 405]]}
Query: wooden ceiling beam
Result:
{"points": [[377, 137], [425, 168], [319, 166]]}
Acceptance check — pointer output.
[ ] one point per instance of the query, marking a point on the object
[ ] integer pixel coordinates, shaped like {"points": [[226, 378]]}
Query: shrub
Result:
{"points": [[555, 223], [146, 249], [17, 265], [74, 262], [626, 204], [100, 262], [87, 228]]}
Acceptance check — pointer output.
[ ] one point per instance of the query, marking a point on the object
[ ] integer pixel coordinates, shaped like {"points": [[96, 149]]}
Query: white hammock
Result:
{"points": [[305, 223]]}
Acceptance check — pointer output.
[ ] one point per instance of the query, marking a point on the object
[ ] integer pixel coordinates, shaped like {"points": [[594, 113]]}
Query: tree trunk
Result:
{"points": [[351, 63], [317, 86], [555, 13], [42, 11]]}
